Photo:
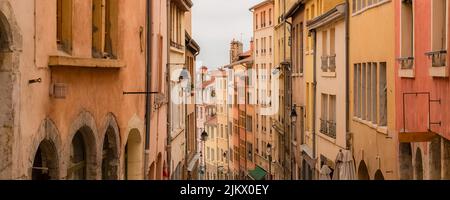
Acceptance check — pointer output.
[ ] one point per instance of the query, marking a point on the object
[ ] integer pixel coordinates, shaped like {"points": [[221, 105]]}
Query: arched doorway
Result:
{"points": [[435, 159], [406, 166], [378, 175], [159, 169], [82, 155], [363, 173], [446, 145], [7, 79], [133, 156], [418, 167], [151, 172], [45, 164], [110, 155]]}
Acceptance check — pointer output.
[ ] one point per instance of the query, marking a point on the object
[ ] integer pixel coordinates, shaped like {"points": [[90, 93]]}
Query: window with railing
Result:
{"points": [[176, 32], [328, 115], [406, 60]]}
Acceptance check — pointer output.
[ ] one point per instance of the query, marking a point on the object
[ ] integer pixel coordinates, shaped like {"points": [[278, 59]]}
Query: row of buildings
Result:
{"points": [[86, 89], [368, 78]]}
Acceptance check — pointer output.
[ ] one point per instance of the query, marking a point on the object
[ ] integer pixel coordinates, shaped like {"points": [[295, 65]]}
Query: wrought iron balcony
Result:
{"points": [[323, 126], [406, 62], [439, 58], [332, 63], [324, 63], [331, 129]]}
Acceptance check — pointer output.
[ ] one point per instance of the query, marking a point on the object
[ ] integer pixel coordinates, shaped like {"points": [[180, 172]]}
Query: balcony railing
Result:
{"points": [[324, 63], [439, 58], [332, 63], [406, 62], [328, 63], [332, 129], [323, 126], [328, 128]]}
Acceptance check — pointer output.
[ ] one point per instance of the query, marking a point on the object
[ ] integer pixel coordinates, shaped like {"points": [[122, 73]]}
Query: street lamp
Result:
{"points": [[269, 153], [204, 138], [294, 114], [293, 121]]}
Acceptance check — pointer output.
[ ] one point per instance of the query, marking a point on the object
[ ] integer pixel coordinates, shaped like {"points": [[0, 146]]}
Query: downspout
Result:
{"points": [[347, 83], [167, 74], [314, 93], [288, 106], [148, 86]]}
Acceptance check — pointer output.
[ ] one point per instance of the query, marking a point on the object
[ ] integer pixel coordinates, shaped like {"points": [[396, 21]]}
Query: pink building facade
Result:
{"points": [[422, 89]]}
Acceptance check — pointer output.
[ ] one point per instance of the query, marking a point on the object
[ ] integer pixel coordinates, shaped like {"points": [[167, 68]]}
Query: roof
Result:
{"points": [[336, 13], [191, 44], [247, 60], [261, 4], [297, 5]]}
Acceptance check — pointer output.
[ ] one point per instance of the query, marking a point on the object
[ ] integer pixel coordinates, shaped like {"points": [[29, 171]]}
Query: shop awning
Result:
{"points": [[258, 173]]}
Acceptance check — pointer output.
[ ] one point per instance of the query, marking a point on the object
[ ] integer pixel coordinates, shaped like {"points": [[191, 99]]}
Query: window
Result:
{"points": [[212, 154], [374, 93], [270, 45], [439, 24], [256, 21], [370, 92], [313, 11], [64, 25], [208, 155], [176, 19], [300, 39], [103, 29], [249, 123], [270, 16], [383, 95], [407, 35], [257, 44], [328, 115], [249, 151], [324, 114], [364, 91]]}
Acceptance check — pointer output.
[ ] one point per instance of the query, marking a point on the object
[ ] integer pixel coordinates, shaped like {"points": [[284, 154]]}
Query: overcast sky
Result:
{"points": [[215, 23]]}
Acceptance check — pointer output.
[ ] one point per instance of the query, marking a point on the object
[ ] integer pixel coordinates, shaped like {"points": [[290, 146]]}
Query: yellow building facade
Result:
{"points": [[372, 103]]}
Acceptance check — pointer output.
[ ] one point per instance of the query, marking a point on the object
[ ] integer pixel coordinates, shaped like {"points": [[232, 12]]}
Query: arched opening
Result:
{"points": [[418, 167], [446, 174], [159, 169], [363, 173], [435, 159], [379, 175], [151, 172], [110, 156], [45, 164], [133, 156], [406, 168], [82, 155], [6, 100]]}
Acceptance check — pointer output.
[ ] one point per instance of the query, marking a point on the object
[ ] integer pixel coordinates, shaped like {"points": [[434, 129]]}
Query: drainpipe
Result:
{"points": [[314, 92], [347, 68], [167, 74], [148, 86]]}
